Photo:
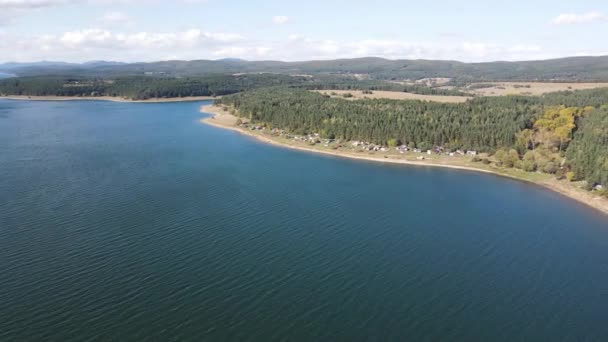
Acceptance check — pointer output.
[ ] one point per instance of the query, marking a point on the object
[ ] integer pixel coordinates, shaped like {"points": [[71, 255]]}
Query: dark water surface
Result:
{"points": [[135, 222]]}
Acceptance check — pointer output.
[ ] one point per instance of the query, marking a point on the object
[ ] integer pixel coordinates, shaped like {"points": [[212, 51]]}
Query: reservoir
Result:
{"points": [[133, 221]]}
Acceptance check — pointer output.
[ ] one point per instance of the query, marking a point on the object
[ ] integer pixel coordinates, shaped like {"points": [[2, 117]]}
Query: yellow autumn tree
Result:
{"points": [[557, 124]]}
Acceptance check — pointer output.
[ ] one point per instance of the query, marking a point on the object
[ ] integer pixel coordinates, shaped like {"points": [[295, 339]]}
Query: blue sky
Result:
{"points": [[147, 30]]}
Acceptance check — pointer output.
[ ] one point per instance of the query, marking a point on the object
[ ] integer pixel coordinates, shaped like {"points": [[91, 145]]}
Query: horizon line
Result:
{"points": [[295, 61]]}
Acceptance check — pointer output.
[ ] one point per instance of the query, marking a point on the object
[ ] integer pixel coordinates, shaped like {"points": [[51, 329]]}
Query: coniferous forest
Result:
{"points": [[588, 152], [142, 87]]}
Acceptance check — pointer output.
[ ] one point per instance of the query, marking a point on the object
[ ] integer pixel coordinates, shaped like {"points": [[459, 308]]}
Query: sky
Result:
{"points": [[153, 30]]}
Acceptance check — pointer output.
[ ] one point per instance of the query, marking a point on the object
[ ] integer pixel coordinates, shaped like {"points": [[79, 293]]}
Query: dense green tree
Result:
{"points": [[587, 155], [480, 124]]}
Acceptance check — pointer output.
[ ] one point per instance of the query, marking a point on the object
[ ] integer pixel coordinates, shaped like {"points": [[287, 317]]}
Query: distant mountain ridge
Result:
{"points": [[17, 65], [562, 69]]}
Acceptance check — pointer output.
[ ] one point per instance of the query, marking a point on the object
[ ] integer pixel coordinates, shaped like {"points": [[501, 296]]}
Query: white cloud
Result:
{"points": [[184, 39], [97, 43], [590, 53], [263, 51], [20, 4], [233, 51], [75, 39], [280, 19], [104, 43], [223, 37], [579, 18], [298, 47]]}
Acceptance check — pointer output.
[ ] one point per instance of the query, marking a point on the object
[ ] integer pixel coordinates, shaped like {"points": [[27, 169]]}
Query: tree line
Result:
{"points": [[142, 87], [146, 87]]}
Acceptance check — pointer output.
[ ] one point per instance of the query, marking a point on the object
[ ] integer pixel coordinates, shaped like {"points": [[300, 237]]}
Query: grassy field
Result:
{"points": [[527, 88], [393, 95]]}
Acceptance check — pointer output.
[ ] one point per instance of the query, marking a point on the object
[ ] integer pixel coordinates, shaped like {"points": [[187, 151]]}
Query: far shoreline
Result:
{"points": [[221, 119], [107, 98]]}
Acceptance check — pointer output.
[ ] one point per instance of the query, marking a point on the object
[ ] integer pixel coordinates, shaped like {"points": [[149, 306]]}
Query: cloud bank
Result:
{"points": [[280, 19], [98, 43], [579, 18]]}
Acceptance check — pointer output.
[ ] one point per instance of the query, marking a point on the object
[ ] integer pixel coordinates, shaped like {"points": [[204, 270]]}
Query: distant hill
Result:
{"points": [[51, 67], [101, 63], [564, 69], [41, 64]]}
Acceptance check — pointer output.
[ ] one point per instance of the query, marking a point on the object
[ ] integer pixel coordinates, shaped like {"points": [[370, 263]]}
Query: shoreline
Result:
{"points": [[219, 118], [106, 98]]}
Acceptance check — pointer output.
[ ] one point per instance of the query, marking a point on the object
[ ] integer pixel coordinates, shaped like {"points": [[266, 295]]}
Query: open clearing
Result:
{"points": [[528, 88], [392, 95]]}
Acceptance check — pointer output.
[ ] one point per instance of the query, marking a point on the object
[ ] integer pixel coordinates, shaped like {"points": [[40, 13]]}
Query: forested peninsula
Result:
{"points": [[558, 138]]}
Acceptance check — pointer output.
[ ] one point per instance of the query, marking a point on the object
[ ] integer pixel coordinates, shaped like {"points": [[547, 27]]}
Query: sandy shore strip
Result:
{"points": [[221, 118], [106, 98]]}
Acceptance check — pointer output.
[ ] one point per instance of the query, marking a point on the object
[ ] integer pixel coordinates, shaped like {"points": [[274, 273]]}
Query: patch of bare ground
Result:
{"points": [[527, 88], [391, 95]]}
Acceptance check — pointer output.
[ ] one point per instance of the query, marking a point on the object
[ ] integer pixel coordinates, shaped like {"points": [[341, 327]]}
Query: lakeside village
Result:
{"points": [[360, 146]]}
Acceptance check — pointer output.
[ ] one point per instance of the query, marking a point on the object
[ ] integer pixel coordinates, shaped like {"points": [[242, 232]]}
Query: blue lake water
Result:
{"points": [[135, 222]]}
